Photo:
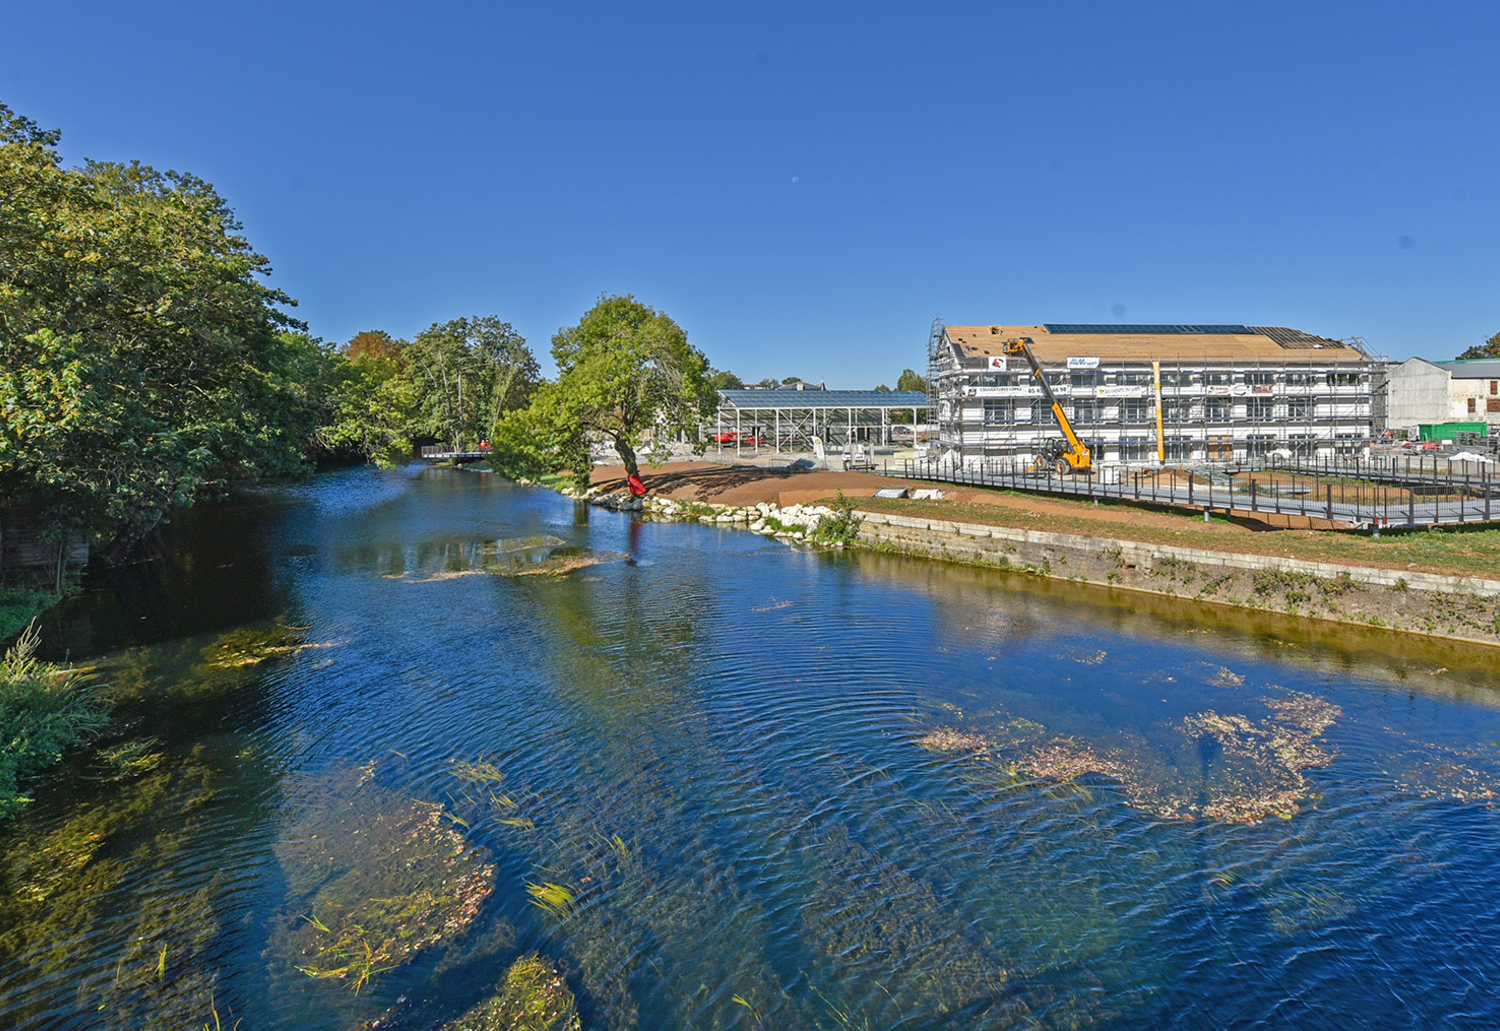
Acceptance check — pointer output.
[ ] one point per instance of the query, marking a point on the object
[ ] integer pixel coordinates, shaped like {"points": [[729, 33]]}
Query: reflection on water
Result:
{"points": [[387, 782]]}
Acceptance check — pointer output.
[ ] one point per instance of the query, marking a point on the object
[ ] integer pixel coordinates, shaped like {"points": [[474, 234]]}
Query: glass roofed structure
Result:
{"points": [[790, 420]]}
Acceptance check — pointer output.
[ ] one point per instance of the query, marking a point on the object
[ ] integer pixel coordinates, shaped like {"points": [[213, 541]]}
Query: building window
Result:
{"points": [[1134, 379], [1298, 408], [1179, 450], [1218, 379], [999, 411], [1343, 379], [1493, 384], [1174, 411], [1258, 408], [1472, 406], [1086, 411], [1137, 450], [1083, 380], [1218, 408], [1135, 410], [1301, 379], [1259, 445], [1260, 379]]}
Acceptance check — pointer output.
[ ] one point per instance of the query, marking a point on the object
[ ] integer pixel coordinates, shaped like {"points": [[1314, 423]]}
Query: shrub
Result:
{"points": [[840, 528], [43, 712]]}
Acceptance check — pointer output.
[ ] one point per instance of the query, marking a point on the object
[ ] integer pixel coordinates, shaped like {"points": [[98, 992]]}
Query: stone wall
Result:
{"points": [[1454, 607]]}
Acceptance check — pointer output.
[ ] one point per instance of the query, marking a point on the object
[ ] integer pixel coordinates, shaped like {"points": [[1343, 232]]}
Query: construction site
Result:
{"points": [[1153, 393]]}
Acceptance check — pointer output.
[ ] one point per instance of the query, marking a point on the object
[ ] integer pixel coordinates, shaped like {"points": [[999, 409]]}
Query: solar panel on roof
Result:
{"points": [[1088, 328]]}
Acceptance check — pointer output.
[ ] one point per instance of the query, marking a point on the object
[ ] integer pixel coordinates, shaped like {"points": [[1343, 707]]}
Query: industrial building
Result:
{"points": [[1424, 393], [1148, 393], [791, 419]]}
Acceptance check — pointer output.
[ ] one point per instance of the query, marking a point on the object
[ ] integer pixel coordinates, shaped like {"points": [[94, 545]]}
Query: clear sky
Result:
{"points": [[804, 186]]}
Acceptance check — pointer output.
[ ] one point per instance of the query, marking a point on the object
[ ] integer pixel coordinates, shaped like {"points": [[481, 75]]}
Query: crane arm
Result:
{"points": [[1078, 455]]}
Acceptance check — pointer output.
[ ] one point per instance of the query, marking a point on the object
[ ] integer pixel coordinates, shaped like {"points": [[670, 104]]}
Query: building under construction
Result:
{"points": [[1155, 393]]}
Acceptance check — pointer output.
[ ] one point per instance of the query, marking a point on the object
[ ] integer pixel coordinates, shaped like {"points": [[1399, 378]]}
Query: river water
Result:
{"points": [[382, 734]]}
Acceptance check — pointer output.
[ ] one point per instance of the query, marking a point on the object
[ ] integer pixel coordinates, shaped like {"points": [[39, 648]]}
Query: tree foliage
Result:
{"points": [[624, 370], [1489, 349], [142, 361], [368, 401], [909, 380], [465, 375]]}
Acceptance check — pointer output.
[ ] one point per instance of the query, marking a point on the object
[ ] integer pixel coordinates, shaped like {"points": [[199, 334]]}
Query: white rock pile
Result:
{"points": [[793, 523]]}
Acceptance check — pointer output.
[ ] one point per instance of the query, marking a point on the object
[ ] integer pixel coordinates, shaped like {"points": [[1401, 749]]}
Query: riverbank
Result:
{"points": [[1436, 583]]}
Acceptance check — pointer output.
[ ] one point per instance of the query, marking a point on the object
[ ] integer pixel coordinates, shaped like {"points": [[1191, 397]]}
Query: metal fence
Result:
{"points": [[1375, 492]]}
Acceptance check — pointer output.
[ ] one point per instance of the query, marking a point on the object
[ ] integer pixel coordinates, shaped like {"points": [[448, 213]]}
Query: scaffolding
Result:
{"points": [[1215, 408]]}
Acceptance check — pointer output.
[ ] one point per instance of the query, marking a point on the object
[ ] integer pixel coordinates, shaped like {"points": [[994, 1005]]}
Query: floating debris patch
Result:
{"points": [[1230, 767]]}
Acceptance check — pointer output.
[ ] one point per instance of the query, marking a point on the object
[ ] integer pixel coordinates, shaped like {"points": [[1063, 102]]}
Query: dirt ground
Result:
{"points": [[749, 485]]}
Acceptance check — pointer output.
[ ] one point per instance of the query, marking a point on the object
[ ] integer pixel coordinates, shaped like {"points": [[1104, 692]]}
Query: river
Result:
{"points": [[379, 735]]}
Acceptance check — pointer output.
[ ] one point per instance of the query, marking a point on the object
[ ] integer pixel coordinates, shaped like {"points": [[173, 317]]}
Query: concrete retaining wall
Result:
{"points": [[1462, 608]]}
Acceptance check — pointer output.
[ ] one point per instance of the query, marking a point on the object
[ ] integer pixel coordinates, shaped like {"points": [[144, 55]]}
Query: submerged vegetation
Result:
{"points": [[374, 878], [44, 710], [1227, 767]]}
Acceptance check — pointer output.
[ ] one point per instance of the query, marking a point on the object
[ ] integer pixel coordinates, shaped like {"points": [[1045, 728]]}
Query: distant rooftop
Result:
{"points": [[824, 398], [1057, 341]]}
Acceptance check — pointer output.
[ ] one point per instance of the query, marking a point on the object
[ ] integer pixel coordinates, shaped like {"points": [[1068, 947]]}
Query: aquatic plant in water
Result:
{"points": [[44, 710], [532, 996], [375, 878], [1226, 767]]}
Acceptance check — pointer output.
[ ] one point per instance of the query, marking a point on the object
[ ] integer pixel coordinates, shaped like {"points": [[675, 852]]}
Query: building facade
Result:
{"points": [[1155, 393], [1423, 392]]}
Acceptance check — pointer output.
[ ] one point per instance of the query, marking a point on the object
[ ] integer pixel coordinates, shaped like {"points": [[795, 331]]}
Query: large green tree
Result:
{"points": [[623, 371], [465, 375], [142, 360], [369, 399], [1489, 349]]}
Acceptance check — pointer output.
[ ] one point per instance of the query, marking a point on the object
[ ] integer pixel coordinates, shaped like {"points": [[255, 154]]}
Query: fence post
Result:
{"points": [[1190, 490], [1330, 502]]}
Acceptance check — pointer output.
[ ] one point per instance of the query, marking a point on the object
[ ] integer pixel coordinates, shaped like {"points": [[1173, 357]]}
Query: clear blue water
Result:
{"points": [[784, 789]]}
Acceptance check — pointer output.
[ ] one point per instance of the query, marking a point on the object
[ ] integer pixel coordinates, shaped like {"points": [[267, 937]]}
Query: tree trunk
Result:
{"points": [[627, 455]]}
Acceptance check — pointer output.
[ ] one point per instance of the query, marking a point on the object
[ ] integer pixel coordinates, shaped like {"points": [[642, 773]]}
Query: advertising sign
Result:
{"points": [[1126, 391], [1002, 391], [1261, 391], [998, 363], [1083, 363]]}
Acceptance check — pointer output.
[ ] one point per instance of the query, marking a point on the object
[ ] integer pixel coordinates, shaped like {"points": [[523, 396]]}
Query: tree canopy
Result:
{"points": [[1489, 349], [466, 374], [909, 380], [624, 370], [142, 360]]}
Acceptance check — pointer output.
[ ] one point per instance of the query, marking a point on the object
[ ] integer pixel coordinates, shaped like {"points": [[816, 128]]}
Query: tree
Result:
{"points": [[909, 380], [1489, 349], [466, 374], [623, 370], [369, 400], [769, 383], [142, 362], [374, 343], [725, 380]]}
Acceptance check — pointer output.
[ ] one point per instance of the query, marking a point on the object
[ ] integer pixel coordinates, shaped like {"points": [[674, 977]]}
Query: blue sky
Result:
{"points": [[805, 186]]}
